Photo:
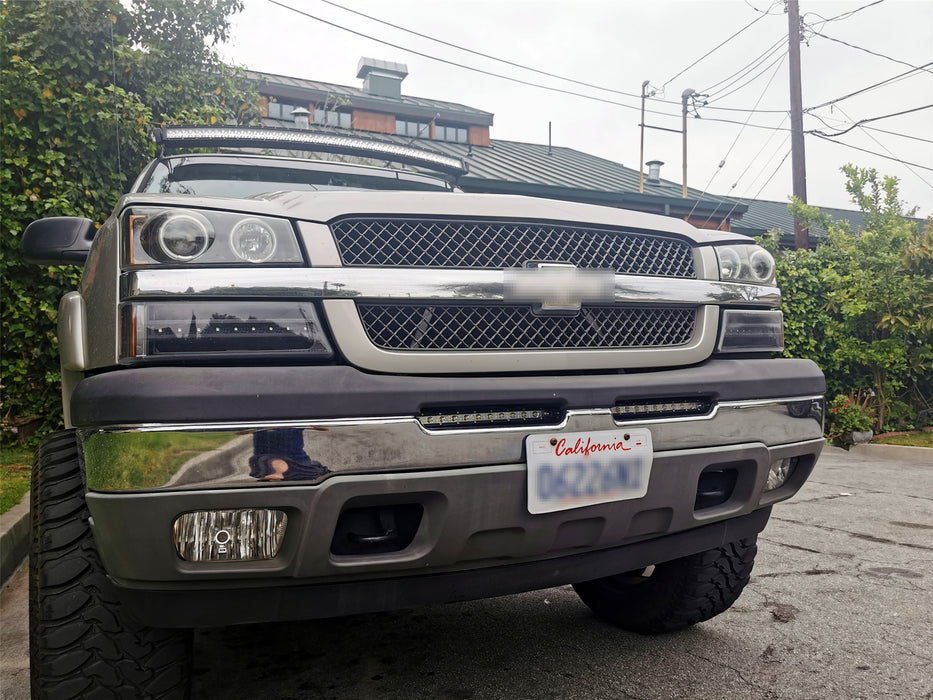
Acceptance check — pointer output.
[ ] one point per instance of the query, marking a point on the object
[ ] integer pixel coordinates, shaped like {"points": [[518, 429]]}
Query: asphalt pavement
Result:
{"points": [[839, 605]]}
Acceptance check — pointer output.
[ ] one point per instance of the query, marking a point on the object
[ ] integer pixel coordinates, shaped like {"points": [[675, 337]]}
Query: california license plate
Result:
{"points": [[571, 470]]}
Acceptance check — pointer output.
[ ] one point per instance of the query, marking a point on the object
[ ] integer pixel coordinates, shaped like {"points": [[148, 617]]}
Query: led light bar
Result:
{"points": [[173, 137], [245, 534], [491, 419], [661, 408]]}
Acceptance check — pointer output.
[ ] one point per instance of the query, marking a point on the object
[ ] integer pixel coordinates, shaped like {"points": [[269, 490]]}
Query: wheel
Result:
{"points": [[81, 645], [675, 594]]}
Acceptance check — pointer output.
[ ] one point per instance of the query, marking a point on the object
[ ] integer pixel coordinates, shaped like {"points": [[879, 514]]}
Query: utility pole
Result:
{"points": [[798, 158], [641, 161], [684, 97]]}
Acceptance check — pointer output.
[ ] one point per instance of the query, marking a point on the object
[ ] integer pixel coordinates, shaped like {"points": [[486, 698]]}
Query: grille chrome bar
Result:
{"points": [[453, 285], [464, 243]]}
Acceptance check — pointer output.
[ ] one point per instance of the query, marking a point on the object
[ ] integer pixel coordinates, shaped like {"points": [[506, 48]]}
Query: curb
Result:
{"points": [[15, 531], [917, 455]]}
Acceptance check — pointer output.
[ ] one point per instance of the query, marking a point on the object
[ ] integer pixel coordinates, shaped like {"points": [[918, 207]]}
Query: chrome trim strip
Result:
{"points": [[414, 283], [378, 445], [353, 342]]}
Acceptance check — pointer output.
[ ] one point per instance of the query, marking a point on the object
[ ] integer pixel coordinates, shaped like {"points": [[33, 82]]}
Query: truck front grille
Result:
{"points": [[517, 327], [448, 243]]}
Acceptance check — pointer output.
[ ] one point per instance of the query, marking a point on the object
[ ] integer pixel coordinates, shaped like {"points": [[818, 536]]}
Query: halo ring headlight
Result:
{"points": [[761, 265], [729, 263], [177, 236], [253, 240]]}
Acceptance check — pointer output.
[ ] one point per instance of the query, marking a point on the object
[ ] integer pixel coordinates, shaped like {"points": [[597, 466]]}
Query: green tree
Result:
{"points": [[81, 83], [859, 305]]}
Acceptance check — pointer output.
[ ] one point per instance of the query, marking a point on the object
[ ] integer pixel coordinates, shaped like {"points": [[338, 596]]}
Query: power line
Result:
{"points": [[748, 68], [871, 119], [915, 173], [716, 48], [735, 141], [502, 60], [466, 67], [493, 74], [865, 150], [480, 53], [899, 76], [778, 61], [873, 53], [894, 133], [845, 15]]}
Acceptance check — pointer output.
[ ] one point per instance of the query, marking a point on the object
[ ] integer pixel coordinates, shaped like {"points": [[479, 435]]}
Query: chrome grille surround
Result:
{"points": [[463, 327], [464, 243]]}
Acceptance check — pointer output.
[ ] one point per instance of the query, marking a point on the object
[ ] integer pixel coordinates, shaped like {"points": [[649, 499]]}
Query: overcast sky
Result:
{"points": [[618, 44]]}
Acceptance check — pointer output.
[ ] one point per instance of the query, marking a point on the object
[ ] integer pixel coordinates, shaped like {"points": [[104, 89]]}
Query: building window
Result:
{"points": [[281, 110], [413, 129], [457, 134], [331, 117]]}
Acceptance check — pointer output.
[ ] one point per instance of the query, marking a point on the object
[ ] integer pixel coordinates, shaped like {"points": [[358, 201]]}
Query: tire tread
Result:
{"points": [[81, 645]]}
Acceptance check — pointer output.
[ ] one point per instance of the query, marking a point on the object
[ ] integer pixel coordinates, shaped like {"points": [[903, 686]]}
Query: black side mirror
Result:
{"points": [[58, 240]]}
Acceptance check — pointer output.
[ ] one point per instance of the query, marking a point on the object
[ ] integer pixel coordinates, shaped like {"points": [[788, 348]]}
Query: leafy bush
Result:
{"points": [[859, 305], [848, 414], [82, 82]]}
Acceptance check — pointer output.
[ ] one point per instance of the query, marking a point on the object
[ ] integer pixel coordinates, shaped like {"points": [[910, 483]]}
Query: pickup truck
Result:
{"points": [[299, 388]]}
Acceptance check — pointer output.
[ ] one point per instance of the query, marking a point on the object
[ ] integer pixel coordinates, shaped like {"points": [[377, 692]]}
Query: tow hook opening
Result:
{"points": [[376, 529]]}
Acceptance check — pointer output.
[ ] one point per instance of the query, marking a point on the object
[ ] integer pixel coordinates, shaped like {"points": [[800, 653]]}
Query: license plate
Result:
{"points": [[572, 470]]}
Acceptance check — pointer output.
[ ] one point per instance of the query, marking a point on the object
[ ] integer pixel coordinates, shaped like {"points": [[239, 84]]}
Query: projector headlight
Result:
{"points": [[745, 263]]}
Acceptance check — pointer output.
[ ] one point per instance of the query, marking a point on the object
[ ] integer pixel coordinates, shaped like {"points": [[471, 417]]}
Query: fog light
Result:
{"points": [[780, 472], [247, 534]]}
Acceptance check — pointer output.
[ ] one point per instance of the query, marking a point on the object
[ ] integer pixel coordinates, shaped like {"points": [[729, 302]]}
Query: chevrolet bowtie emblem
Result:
{"points": [[557, 287]]}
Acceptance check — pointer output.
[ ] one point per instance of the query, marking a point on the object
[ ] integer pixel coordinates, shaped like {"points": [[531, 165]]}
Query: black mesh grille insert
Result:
{"points": [[516, 327], [365, 241]]}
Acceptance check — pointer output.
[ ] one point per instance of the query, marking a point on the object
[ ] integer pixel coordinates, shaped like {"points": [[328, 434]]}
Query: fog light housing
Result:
{"points": [[245, 534], [780, 472]]}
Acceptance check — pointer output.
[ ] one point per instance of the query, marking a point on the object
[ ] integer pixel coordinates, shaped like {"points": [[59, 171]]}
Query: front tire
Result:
{"points": [[675, 594], [81, 644]]}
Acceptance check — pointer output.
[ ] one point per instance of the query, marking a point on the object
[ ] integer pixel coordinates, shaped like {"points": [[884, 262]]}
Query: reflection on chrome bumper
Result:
{"points": [[212, 456]]}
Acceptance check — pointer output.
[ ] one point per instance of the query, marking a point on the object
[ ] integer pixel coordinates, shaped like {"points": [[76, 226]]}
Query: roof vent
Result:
{"points": [[654, 170], [382, 78], [302, 118]]}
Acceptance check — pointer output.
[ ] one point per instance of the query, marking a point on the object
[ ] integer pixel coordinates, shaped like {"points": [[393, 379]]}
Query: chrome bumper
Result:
{"points": [[223, 455]]}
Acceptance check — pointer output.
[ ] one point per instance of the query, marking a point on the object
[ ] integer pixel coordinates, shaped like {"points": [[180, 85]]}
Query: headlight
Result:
{"points": [[745, 263], [253, 240], [213, 330], [175, 236]]}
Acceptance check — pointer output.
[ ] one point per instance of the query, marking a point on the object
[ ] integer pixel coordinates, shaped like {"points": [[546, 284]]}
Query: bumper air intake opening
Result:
{"points": [[376, 529], [714, 487]]}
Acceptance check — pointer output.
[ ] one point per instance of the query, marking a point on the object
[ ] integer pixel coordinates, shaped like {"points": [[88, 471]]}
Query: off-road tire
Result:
{"points": [[677, 593], [81, 645]]}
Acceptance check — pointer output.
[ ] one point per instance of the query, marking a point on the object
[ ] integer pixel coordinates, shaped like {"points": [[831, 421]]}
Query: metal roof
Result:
{"points": [[763, 216], [283, 86], [564, 173]]}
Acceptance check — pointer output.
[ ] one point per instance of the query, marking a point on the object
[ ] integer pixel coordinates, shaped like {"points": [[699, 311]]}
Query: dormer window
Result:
{"points": [[457, 134], [331, 117], [414, 129]]}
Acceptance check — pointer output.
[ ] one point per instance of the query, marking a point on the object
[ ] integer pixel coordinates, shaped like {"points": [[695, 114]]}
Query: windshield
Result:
{"points": [[248, 178]]}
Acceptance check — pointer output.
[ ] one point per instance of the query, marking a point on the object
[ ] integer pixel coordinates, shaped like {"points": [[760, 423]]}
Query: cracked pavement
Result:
{"points": [[839, 605]]}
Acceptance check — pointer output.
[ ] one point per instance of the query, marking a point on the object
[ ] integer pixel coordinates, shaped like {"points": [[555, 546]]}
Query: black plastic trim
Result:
{"points": [[198, 607], [269, 393]]}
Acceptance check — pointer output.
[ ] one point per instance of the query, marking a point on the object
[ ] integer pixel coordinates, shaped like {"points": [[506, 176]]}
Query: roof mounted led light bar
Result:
{"points": [[175, 137]]}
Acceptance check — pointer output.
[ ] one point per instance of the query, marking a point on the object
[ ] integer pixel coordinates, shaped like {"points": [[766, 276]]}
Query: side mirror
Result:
{"points": [[58, 240]]}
